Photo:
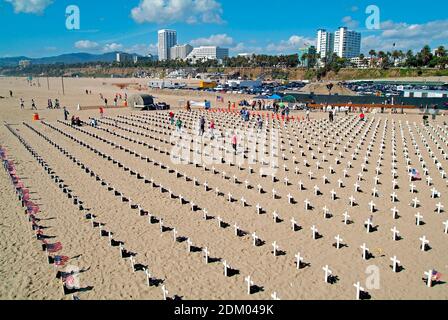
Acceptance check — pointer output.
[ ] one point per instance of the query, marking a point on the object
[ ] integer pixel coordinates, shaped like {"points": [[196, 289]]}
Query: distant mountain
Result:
{"points": [[69, 58]]}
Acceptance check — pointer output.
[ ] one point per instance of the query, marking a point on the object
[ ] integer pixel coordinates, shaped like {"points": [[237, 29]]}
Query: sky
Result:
{"points": [[37, 28]]}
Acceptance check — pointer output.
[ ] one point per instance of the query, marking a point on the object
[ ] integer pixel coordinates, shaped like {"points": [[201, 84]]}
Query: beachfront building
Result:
{"points": [[180, 52], [125, 57], [359, 63], [325, 43], [307, 56], [347, 43], [167, 40], [24, 63], [205, 53]]}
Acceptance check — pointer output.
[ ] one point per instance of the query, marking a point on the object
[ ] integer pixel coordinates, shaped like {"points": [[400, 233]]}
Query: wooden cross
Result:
{"points": [[165, 292], [372, 206], [395, 233], [359, 289], [395, 211], [250, 283], [365, 251], [328, 272], [369, 224], [226, 266], [429, 278], [395, 263], [299, 260], [275, 297], [314, 230], [206, 253], [255, 238], [346, 217], [446, 226], [424, 243], [439, 207], [338, 241], [415, 202], [276, 247]]}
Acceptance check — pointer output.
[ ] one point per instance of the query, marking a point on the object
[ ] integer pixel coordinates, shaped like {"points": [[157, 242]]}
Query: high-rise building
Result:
{"points": [[167, 40], [208, 53], [307, 56], [347, 43], [180, 51], [325, 43]]}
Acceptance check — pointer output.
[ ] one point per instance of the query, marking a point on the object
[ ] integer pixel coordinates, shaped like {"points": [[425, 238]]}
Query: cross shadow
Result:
{"points": [[181, 239], [175, 298], [256, 289], [365, 296], [215, 260], [68, 291], [333, 279]]}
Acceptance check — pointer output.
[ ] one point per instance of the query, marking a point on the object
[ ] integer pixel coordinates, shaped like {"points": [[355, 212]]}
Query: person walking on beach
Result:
{"points": [[212, 129], [66, 114], [105, 102], [22, 104], [101, 112], [235, 142], [202, 126], [171, 117], [179, 125], [50, 104], [10, 93], [308, 115], [260, 122], [33, 105]]}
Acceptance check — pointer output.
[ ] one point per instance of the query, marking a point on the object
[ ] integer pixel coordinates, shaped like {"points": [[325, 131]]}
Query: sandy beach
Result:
{"points": [[26, 274]]}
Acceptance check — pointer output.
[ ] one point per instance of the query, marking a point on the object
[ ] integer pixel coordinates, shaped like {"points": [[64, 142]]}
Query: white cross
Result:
{"points": [[393, 197], [294, 224], [424, 243], [237, 228], [310, 175], [429, 181], [165, 292], [415, 202], [205, 213], [352, 201], [395, 263], [429, 279], [260, 188], [243, 201], [161, 225], [307, 204], [359, 289], [365, 251], [372, 206], [300, 185], [340, 183], [394, 212], [275, 297], [314, 229], [189, 244], [418, 217], [250, 283], [226, 266], [328, 272], [290, 198], [377, 180], [338, 241], [446, 226], [255, 238], [299, 260], [229, 195], [375, 192], [316, 190], [395, 232], [247, 184], [275, 246], [325, 179], [174, 234], [333, 195], [434, 192], [346, 217], [205, 186], [286, 181], [439, 207], [259, 209], [357, 186], [219, 221], [206, 253], [275, 216]]}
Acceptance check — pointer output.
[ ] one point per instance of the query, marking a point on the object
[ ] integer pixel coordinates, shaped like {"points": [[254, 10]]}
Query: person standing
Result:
{"points": [[22, 104], [308, 115], [171, 117], [10, 93], [105, 102], [235, 142], [212, 129], [101, 112], [66, 113], [179, 125], [33, 105], [202, 126]]}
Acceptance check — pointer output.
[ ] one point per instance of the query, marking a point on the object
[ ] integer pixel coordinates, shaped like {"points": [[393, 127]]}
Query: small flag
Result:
{"points": [[436, 276], [415, 174], [53, 248], [61, 260], [68, 280]]}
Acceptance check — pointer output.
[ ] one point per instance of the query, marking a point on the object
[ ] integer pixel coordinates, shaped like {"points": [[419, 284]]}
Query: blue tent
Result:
{"points": [[262, 97], [275, 97]]}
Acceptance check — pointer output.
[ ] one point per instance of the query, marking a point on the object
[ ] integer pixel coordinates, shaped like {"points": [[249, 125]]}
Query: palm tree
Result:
{"points": [[372, 54], [441, 51]]}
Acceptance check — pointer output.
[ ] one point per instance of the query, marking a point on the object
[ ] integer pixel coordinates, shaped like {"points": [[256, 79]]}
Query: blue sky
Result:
{"points": [[36, 28]]}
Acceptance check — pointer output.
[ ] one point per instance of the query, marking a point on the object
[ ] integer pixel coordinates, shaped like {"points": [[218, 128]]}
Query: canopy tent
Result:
{"points": [[275, 97], [289, 99], [262, 97]]}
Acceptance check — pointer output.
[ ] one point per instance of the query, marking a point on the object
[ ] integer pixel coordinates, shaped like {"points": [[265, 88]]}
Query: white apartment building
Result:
{"points": [[347, 43], [208, 53], [325, 43], [180, 51], [125, 57], [167, 40]]}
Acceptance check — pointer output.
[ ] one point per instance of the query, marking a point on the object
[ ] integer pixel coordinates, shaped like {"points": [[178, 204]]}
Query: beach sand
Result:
{"points": [[26, 274]]}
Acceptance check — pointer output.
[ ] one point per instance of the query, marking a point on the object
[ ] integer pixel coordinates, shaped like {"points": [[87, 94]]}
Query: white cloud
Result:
{"points": [[292, 45], [220, 40], [244, 48], [170, 11], [142, 49], [350, 22], [112, 47], [30, 6], [407, 36], [86, 45]]}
